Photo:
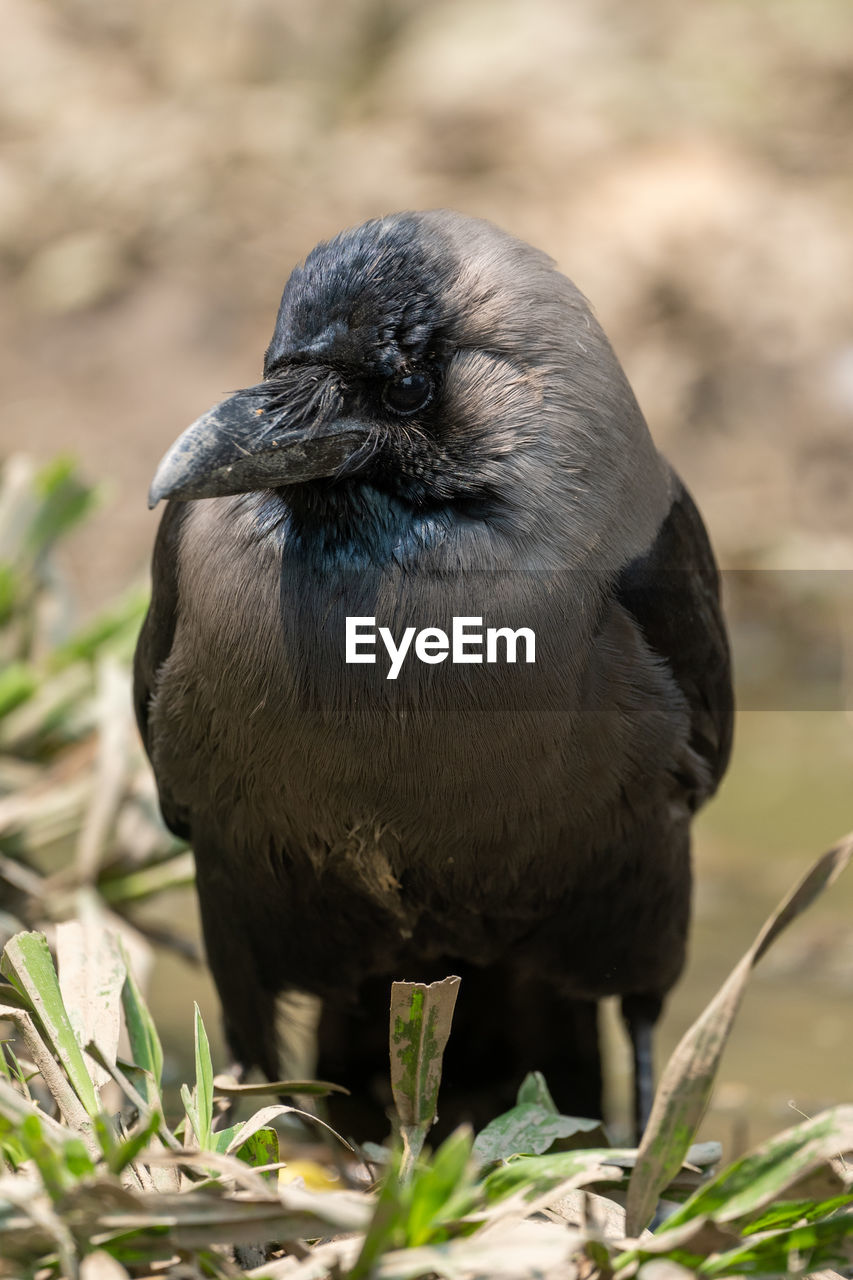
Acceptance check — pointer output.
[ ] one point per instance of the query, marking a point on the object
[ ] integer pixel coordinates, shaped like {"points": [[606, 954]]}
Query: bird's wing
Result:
{"points": [[155, 643], [673, 593]]}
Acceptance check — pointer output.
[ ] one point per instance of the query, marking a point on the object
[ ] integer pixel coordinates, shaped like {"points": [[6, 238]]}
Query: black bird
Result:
{"points": [[442, 431]]}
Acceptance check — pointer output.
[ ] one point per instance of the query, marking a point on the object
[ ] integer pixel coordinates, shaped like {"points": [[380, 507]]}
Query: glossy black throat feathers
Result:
{"points": [[356, 523]]}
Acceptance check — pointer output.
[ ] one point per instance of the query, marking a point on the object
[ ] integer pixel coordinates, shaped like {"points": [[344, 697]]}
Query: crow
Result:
{"points": [[443, 438]]}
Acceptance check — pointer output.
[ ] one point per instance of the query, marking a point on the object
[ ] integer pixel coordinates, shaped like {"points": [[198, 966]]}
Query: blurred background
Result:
{"points": [[690, 166]]}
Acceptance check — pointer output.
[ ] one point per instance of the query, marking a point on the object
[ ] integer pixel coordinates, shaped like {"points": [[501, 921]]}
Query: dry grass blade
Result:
{"points": [[114, 705], [421, 1016], [335, 1258], [664, 1269], [38, 1224], [501, 1221], [231, 1088], [16, 1108], [72, 1110], [686, 1084], [517, 1251], [91, 976], [44, 812], [197, 1219], [100, 1266]]}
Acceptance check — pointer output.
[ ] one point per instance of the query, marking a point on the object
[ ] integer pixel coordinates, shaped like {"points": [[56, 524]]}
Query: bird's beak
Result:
{"points": [[246, 443]]}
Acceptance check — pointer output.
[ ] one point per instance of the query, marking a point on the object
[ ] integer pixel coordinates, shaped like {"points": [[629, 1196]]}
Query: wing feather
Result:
{"points": [[155, 645], [673, 593]]}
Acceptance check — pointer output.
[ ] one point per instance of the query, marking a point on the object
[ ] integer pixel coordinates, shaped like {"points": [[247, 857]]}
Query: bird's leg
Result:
{"points": [[640, 1013], [237, 964]]}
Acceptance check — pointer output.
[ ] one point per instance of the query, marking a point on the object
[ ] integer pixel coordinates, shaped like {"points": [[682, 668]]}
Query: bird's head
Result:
{"points": [[431, 356]]}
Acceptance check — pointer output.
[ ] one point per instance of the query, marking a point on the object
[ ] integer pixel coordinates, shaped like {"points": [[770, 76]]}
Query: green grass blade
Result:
{"points": [[386, 1227], [28, 965], [688, 1078], [145, 1047], [764, 1175], [809, 1247], [11, 589], [64, 500], [203, 1084], [447, 1180], [535, 1174], [260, 1148], [188, 1099], [177, 871], [788, 1213], [130, 1147], [120, 621], [44, 1155], [18, 682]]}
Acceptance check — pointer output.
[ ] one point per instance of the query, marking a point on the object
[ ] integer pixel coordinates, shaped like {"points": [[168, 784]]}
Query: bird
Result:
{"points": [[442, 437]]}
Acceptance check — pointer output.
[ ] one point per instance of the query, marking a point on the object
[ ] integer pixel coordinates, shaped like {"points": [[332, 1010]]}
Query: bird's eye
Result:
{"points": [[408, 392]]}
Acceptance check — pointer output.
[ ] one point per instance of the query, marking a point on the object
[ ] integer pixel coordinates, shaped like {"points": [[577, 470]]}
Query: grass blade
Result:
{"points": [[27, 963], [535, 1174], [113, 705], [515, 1251], [797, 1250], [203, 1084], [145, 1047], [764, 1175], [231, 1088], [18, 681], [64, 500], [91, 974], [688, 1078], [421, 1015]]}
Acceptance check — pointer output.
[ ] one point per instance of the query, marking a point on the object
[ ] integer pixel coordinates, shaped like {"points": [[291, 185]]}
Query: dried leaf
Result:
{"points": [[100, 1265], [421, 1016], [517, 1252], [663, 1269], [113, 708], [231, 1088], [91, 975], [199, 1218], [335, 1258]]}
